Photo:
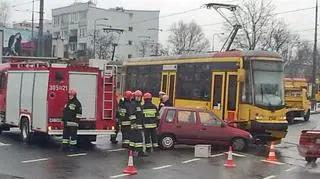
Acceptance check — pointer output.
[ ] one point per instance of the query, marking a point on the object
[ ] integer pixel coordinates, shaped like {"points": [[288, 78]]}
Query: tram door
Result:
{"points": [[168, 84]]}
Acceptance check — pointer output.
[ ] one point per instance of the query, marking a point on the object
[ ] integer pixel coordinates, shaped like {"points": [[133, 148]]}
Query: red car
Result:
{"points": [[309, 145], [198, 126]]}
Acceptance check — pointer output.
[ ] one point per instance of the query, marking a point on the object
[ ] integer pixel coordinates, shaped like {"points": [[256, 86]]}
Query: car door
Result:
{"points": [[186, 126], [211, 129]]}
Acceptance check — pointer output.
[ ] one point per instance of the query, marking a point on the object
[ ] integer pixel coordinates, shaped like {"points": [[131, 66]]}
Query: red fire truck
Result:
{"points": [[33, 94]]}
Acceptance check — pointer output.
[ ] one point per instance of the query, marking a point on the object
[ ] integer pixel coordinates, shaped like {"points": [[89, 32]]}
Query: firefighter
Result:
{"points": [[161, 94], [150, 121], [166, 101], [71, 115], [113, 137], [125, 111], [136, 140]]}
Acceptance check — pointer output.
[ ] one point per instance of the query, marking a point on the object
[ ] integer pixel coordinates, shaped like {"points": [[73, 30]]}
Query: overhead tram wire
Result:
{"points": [[24, 3], [278, 13]]}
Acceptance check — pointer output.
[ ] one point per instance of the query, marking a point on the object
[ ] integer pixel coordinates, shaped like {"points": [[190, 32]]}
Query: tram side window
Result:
{"points": [[193, 82], [232, 92], [144, 78]]}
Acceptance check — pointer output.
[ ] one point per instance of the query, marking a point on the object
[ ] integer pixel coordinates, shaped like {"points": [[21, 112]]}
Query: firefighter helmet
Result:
{"points": [[147, 96], [137, 93], [128, 95], [72, 91]]}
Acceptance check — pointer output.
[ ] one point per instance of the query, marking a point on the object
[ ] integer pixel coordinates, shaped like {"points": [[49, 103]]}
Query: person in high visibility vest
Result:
{"points": [[113, 137], [125, 114], [71, 115], [136, 137], [150, 121]]}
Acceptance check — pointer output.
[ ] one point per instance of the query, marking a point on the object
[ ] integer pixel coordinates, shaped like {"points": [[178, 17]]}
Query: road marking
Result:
{"points": [[36, 160], [75, 155], [235, 154], [216, 155], [279, 163], [3, 144], [290, 169], [161, 167], [192, 160], [115, 150], [118, 176], [269, 177]]}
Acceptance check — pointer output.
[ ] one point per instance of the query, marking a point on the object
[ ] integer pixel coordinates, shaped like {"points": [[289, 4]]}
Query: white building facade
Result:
{"points": [[73, 31]]}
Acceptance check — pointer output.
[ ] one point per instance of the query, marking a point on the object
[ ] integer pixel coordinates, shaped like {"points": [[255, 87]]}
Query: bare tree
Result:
{"points": [[158, 49], [104, 43], [187, 38], [277, 36], [4, 12], [300, 64], [254, 17], [142, 48]]}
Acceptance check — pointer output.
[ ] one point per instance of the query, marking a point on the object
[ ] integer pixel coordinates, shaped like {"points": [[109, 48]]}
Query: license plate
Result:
{"points": [[318, 141]]}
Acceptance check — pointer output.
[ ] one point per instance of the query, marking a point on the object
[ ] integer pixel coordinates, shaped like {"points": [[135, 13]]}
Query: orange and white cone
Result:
{"points": [[130, 169], [272, 154], [230, 163]]}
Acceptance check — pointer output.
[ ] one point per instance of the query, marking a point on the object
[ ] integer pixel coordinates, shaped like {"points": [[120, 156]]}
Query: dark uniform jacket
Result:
{"points": [[72, 112], [138, 122], [150, 114]]}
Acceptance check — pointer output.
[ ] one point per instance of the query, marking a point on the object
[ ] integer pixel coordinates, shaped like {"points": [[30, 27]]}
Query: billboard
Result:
{"points": [[16, 41]]}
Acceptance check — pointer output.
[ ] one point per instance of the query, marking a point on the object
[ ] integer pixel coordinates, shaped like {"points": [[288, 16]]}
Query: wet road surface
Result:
{"points": [[43, 160]]}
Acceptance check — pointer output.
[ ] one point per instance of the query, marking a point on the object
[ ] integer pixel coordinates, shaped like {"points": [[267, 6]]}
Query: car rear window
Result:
{"points": [[170, 115], [186, 117]]}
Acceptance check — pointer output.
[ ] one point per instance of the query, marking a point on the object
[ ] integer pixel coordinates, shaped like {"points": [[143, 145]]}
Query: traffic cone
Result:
{"points": [[272, 154], [130, 169], [229, 163]]}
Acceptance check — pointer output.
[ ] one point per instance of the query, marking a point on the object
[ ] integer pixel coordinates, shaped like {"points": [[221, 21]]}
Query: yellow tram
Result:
{"points": [[242, 87]]}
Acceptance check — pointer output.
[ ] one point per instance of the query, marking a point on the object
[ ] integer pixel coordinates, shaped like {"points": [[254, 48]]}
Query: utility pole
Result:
{"points": [[315, 64], [32, 26], [40, 35]]}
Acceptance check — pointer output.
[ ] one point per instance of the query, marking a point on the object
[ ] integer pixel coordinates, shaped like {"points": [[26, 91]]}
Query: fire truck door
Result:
{"points": [[40, 106], [86, 85]]}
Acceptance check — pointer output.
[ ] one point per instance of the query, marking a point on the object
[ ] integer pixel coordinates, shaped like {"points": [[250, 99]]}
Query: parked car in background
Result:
{"points": [[198, 126], [309, 145]]}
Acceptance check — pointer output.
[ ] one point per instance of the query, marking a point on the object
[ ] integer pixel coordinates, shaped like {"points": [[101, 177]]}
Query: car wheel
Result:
{"points": [[311, 159], [239, 144], [307, 116], [167, 142], [25, 133]]}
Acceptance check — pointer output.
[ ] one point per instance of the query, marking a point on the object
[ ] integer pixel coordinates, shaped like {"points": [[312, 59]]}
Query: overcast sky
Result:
{"points": [[298, 21]]}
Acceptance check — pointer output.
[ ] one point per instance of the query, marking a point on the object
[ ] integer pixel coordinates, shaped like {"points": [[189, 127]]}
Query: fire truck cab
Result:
{"points": [[33, 96]]}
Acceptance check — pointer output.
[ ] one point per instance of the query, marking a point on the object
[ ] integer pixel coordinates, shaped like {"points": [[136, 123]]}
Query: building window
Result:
{"points": [[129, 56], [130, 29], [73, 46], [130, 42]]}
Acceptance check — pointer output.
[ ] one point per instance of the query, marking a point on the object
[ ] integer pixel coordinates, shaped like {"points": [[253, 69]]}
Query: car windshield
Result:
{"points": [[268, 84]]}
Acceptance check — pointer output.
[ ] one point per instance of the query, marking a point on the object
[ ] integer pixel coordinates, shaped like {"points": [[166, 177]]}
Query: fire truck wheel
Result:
{"points": [[306, 117], [290, 118], [25, 133]]}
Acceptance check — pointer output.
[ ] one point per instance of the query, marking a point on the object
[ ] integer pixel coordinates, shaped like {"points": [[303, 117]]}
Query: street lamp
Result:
{"points": [[94, 34], [214, 34]]}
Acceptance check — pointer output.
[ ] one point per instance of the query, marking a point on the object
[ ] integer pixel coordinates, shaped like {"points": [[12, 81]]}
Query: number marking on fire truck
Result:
{"points": [[58, 88]]}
